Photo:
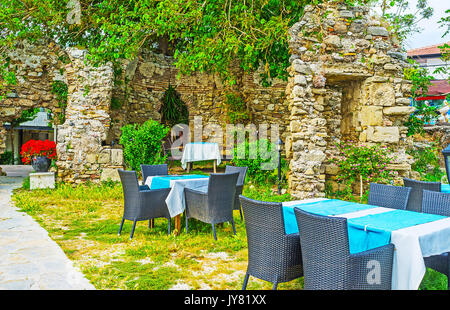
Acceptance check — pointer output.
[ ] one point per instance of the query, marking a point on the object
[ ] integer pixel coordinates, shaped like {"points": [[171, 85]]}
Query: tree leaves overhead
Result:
{"points": [[206, 35]]}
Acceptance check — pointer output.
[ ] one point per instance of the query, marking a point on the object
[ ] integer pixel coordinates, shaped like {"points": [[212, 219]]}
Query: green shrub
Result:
{"points": [[142, 144], [362, 164], [6, 158], [261, 159]]}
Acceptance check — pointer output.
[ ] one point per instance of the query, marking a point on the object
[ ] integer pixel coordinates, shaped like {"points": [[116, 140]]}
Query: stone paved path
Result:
{"points": [[29, 259]]}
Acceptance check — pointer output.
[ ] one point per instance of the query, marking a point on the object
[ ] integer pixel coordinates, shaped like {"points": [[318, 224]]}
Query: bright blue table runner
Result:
{"points": [[327, 207], [374, 230], [365, 232], [445, 188], [164, 180]]}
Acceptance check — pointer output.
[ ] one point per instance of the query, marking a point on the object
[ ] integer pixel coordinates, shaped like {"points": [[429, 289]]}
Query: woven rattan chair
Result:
{"points": [[239, 186], [417, 187], [388, 196], [152, 170], [327, 262], [216, 204], [273, 255], [437, 203], [140, 203]]}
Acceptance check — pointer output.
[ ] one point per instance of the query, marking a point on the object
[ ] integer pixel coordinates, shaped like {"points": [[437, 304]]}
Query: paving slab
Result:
{"points": [[29, 258]]}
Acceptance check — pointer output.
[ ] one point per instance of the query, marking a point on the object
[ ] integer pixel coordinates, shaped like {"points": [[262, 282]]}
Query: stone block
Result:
{"points": [[371, 116], [377, 31], [42, 180], [109, 174], [399, 110], [383, 134]]}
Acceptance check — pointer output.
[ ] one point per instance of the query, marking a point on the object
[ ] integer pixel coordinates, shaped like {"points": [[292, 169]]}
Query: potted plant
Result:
{"points": [[39, 154]]}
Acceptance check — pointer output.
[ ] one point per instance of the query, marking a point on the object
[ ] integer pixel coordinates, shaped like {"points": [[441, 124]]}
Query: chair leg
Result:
{"points": [[275, 284], [186, 219], [170, 224], [214, 232], [234, 228], [244, 286], [240, 212], [121, 226], [132, 230]]}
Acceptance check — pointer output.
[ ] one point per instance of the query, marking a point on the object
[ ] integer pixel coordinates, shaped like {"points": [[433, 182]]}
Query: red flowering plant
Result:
{"points": [[36, 148]]}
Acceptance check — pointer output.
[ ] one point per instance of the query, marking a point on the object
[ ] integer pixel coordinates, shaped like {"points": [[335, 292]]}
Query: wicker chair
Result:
{"points": [[140, 203], [388, 196], [273, 255], [216, 204], [417, 187], [327, 262], [437, 203], [239, 186], [152, 170]]}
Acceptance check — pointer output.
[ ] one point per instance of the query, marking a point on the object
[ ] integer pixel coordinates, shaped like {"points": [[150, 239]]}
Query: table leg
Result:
{"points": [[188, 167], [214, 165], [177, 225]]}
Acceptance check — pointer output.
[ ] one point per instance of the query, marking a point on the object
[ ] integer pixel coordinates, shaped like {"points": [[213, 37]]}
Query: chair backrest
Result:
{"points": [[221, 193], [264, 224], [130, 187], [388, 196], [152, 170], [242, 173], [436, 203], [416, 195], [325, 250]]}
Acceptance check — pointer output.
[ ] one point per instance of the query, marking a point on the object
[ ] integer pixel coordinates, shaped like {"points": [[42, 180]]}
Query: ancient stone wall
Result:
{"points": [[36, 67], [142, 83], [346, 83], [81, 141]]}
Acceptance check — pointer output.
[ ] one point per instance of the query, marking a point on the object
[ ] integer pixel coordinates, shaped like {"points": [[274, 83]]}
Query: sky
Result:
{"points": [[431, 33]]}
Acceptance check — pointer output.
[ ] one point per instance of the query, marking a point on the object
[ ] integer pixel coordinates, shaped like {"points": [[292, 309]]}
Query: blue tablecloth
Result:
{"points": [[164, 181], [374, 230], [445, 188], [364, 232], [327, 207]]}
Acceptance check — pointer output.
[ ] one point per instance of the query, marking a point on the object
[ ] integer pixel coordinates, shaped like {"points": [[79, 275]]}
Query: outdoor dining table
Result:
{"points": [[177, 183], [199, 151], [414, 235]]}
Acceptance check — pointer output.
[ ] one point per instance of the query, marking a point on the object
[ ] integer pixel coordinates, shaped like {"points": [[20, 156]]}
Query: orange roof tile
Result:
{"points": [[427, 50]]}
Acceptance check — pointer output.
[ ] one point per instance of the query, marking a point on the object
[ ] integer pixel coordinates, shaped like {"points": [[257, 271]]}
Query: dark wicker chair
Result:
{"points": [[240, 184], [437, 203], [388, 196], [140, 203], [327, 262], [273, 255], [216, 204], [152, 170], [417, 187]]}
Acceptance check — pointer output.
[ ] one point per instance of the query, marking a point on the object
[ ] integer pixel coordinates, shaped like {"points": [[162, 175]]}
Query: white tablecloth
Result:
{"points": [[198, 151], [175, 200], [411, 244]]}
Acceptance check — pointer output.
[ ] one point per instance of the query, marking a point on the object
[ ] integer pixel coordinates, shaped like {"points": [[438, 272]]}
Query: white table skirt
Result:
{"points": [[175, 200], [198, 151], [411, 244]]}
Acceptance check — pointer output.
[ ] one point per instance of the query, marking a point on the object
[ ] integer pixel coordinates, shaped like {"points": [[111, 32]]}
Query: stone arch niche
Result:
{"points": [[346, 82], [36, 66]]}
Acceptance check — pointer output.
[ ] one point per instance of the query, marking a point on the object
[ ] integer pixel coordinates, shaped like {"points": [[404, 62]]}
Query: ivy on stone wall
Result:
{"points": [[60, 90]]}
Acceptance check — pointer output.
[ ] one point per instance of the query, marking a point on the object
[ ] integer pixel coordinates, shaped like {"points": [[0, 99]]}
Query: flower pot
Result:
{"points": [[41, 163]]}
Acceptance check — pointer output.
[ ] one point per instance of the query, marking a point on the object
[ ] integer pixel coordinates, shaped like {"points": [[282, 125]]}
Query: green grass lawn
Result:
{"points": [[84, 221]]}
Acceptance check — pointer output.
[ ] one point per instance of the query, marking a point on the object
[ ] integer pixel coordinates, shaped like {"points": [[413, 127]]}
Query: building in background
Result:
{"points": [[430, 57], [38, 128]]}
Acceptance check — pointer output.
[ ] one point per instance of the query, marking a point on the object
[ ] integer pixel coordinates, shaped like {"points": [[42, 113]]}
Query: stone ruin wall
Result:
{"points": [[144, 81], [346, 82], [87, 141]]}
